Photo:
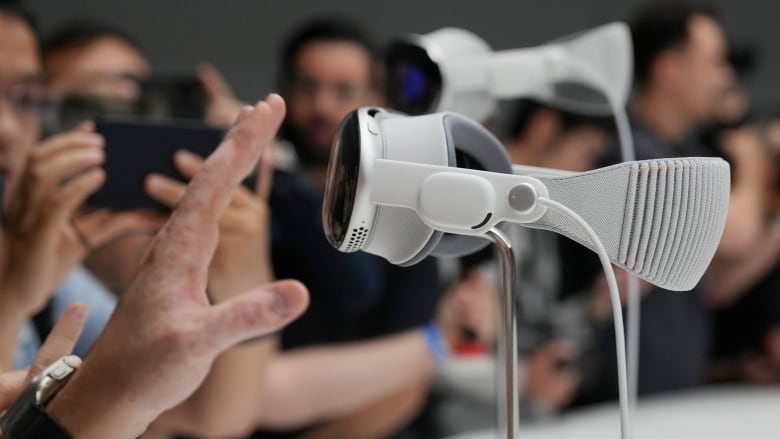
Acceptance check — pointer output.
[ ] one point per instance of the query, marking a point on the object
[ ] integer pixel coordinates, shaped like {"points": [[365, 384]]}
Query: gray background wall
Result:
{"points": [[241, 36]]}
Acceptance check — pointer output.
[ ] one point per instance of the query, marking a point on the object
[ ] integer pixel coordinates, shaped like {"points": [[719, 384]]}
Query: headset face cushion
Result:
{"points": [[474, 148]]}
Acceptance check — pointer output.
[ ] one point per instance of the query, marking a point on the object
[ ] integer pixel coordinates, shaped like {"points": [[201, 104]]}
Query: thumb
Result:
{"points": [[256, 313]]}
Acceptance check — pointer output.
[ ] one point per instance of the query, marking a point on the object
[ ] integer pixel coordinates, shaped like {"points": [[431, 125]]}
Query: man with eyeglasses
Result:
{"points": [[43, 234]]}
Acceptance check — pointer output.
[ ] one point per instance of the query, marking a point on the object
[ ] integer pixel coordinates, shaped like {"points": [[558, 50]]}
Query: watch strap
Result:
{"points": [[36, 424]]}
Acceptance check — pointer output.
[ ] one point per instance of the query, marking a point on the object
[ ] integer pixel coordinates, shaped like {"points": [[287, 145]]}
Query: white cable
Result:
{"points": [[628, 152], [617, 314]]}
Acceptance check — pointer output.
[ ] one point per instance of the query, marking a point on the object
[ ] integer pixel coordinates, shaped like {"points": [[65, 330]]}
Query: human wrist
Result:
{"points": [[95, 404]]}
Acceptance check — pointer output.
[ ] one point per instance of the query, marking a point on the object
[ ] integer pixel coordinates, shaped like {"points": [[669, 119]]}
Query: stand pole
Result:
{"points": [[507, 389]]}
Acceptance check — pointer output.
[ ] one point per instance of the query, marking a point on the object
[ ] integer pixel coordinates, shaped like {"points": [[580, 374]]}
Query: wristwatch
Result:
{"points": [[27, 417]]}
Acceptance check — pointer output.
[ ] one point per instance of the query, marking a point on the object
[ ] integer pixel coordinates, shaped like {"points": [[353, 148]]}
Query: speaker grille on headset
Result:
{"points": [[659, 219], [357, 237]]}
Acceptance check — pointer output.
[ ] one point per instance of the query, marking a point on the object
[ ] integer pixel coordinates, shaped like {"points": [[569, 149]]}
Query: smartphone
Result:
{"points": [[136, 148], [172, 96]]}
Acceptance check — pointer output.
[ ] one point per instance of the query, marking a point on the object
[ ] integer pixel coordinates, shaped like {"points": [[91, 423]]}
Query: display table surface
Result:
{"points": [[710, 413]]}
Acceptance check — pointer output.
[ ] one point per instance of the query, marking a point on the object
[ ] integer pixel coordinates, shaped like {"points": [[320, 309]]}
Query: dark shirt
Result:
{"points": [[354, 296], [741, 328]]}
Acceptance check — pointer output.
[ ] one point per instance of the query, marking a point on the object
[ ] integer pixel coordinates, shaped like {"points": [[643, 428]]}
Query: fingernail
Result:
{"points": [[80, 311], [185, 155], [279, 306], [153, 181]]}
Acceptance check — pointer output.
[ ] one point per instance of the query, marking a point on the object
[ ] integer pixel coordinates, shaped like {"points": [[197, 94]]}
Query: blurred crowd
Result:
{"points": [[381, 351]]}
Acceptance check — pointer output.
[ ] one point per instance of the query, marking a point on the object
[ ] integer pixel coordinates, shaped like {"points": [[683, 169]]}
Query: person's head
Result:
{"points": [[94, 59], [21, 90], [329, 67], [680, 54], [539, 135]]}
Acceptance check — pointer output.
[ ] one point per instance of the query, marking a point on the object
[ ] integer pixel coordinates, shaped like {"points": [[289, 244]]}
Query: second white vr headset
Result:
{"points": [[453, 69], [406, 187]]}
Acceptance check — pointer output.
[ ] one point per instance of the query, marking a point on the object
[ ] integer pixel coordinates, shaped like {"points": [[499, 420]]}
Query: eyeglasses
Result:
{"points": [[343, 92], [27, 102]]}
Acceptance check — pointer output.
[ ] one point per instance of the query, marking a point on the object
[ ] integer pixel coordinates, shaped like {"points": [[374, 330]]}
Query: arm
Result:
{"points": [[314, 384], [225, 404], [729, 280], [378, 420], [749, 192]]}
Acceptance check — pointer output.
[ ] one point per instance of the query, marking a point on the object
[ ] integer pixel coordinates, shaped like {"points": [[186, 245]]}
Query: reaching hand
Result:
{"points": [[163, 337], [242, 259]]}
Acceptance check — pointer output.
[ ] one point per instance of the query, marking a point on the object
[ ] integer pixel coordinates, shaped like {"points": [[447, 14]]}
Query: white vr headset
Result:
{"points": [[453, 69], [405, 187]]}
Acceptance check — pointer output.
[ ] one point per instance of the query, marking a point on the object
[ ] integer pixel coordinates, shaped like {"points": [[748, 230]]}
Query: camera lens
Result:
{"points": [[413, 79], [342, 180]]}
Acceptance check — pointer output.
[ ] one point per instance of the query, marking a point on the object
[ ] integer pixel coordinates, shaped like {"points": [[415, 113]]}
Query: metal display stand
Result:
{"points": [[507, 388]]}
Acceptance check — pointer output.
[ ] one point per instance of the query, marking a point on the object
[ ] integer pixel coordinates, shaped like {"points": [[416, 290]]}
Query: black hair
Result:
{"points": [[520, 113], [78, 34], [660, 26], [17, 10], [744, 58], [328, 29]]}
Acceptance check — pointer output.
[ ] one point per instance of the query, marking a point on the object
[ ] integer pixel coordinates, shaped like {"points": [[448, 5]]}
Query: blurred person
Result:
{"points": [[744, 287], [747, 316], [45, 184], [681, 76], [94, 59], [89, 58]]}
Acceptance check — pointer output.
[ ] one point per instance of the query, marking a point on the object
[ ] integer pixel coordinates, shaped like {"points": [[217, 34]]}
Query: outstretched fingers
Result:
{"points": [[192, 228], [256, 313]]}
